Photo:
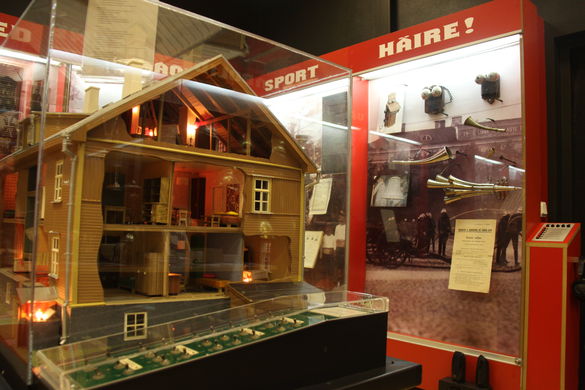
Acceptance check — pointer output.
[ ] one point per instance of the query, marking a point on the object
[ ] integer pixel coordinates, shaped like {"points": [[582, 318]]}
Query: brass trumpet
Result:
{"points": [[456, 189], [441, 155], [471, 122]]}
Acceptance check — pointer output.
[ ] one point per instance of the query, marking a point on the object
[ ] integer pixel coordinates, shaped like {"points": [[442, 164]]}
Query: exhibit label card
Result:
{"points": [[312, 245], [320, 199], [473, 248]]}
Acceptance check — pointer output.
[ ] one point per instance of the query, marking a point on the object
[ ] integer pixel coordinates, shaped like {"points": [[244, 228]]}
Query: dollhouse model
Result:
{"points": [[166, 196]]}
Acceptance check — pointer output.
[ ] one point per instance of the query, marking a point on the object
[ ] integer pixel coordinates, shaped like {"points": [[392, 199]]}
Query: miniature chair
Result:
{"points": [[212, 220]]}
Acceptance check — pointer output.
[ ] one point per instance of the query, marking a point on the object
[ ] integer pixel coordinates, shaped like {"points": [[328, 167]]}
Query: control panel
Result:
{"points": [[556, 232]]}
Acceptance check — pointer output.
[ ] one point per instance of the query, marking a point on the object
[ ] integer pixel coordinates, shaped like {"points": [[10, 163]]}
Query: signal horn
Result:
{"points": [[441, 155], [471, 122]]}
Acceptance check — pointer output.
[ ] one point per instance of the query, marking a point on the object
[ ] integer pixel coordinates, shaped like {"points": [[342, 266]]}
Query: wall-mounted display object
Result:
{"points": [[390, 190], [392, 110], [441, 155], [490, 86], [435, 99], [456, 189], [433, 147], [469, 121]]}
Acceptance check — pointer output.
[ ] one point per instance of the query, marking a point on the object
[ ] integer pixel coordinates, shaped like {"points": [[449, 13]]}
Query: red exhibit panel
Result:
{"points": [[359, 157], [436, 364], [552, 332], [486, 21]]}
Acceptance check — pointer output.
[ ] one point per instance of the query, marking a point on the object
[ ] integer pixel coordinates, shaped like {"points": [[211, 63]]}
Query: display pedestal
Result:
{"points": [[396, 375], [552, 335]]}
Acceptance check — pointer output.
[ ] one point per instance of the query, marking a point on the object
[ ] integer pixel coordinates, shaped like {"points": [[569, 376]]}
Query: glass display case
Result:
{"points": [[149, 158], [186, 343], [445, 149]]}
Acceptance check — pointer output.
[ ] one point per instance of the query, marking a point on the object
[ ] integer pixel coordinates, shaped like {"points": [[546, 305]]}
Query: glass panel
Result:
{"points": [[78, 364], [153, 126], [435, 160]]}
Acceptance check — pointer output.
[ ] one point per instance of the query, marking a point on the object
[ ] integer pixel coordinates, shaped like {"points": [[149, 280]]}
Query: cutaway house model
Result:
{"points": [[165, 196]]}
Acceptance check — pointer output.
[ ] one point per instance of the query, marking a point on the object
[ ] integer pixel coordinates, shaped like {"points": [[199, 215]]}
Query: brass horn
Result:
{"points": [[456, 189], [441, 184], [455, 198], [455, 180], [441, 155], [471, 122]]}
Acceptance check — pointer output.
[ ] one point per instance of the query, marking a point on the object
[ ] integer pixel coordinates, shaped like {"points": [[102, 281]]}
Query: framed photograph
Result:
{"points": [[390, 190]]}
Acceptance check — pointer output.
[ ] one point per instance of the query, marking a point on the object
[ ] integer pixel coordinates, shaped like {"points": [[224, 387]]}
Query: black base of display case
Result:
{"points": [[450, 384], [396, 375], [346, 349], [311, 355]]}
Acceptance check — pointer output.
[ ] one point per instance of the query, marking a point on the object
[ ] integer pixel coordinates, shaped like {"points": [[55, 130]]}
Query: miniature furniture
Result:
{"points": [[114, 214], [183, 217], [149, 280], [174, 283], [213, 220]]}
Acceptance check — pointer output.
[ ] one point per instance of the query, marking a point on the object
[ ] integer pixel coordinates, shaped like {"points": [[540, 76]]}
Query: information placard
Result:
{"points": [[473, 248]]}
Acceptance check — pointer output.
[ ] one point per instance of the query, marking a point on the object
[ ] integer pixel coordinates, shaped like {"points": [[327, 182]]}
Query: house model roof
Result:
{"points": [[210, 89]]}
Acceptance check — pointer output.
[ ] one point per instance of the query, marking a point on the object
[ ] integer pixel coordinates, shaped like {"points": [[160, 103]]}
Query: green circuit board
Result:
{"points": [[147, 360]]}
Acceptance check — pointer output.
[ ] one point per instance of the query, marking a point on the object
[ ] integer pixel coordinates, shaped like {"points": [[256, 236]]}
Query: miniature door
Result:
{"points": [[151, 257]]}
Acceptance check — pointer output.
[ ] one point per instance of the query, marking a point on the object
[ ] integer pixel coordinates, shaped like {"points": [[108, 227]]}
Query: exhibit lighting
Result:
{"points": [[247, 276], [512, 168], [488, 160], [22, 56], [327, 89], [464, 52], [395, 138], [191, 131], [134, 124], [42, 311], [324, 123]]}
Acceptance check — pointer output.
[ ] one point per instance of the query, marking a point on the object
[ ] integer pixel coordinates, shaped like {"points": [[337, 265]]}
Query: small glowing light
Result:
{"points": [[247, 276], [191, 131], [135, 110], [41, 316]]}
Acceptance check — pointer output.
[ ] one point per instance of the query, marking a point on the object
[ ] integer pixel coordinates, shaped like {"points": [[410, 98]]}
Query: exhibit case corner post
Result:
{"points": [[151, 158]]}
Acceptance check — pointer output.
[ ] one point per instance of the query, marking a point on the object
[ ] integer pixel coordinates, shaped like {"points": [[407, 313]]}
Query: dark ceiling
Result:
{"points": [[326, 25]]}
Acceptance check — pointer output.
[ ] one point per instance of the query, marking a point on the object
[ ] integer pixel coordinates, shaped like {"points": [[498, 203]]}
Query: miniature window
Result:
{"points": [[58, 181], [135, 326], [261, 195], [54, 273]]}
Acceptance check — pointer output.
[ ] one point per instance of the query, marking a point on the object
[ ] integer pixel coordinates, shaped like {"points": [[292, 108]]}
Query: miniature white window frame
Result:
{"points": [[262, 188], [55, 244], [135, 325], [58, 192]]}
